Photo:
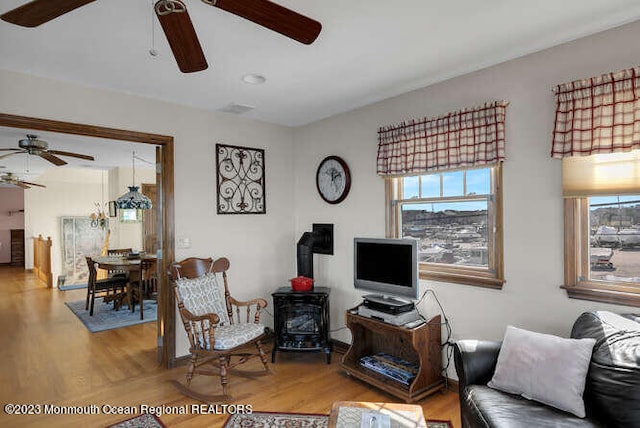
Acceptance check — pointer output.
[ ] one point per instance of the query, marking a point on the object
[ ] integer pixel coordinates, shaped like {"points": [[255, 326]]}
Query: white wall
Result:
{"points": [[11, 202], [533, 216], [69, 192], [260, 247]]}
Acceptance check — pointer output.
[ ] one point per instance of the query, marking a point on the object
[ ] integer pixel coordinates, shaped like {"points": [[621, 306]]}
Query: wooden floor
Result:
{"points": [[49, 357]]}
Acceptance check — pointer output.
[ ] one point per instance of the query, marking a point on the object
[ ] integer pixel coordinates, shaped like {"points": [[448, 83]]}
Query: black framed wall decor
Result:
{"points": [[240, 180]]}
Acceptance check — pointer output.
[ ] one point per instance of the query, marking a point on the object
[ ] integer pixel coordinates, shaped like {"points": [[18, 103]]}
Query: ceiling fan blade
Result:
{"points": [[73, 155], [53, 159], [4, 150], [274, 17], [31, 184], [20, 184], [38, 12], [10, 154], [181, 35]]}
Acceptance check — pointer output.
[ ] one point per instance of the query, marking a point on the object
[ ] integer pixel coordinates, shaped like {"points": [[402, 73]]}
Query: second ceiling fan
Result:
{"points": [[177, 26], [32, 145]]}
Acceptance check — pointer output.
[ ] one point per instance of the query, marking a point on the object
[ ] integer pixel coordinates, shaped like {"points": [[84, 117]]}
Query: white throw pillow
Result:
{"points": [[544, 368], [203, 295]]}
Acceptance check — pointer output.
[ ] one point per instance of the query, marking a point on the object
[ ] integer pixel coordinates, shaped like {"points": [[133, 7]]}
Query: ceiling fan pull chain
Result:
{"points": [[153, 52]]}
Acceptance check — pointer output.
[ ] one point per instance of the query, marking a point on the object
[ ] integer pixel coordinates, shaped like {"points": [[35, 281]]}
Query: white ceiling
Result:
{"points": [[368, 50], [107, 153]]}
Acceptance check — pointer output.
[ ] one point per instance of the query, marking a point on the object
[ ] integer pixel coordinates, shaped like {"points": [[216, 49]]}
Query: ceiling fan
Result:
{"points": [[33, 146], [9, 178], [177, 26]]}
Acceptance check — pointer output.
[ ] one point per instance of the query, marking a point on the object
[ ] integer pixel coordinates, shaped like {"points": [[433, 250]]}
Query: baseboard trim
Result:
{"points": [[339, 346]]}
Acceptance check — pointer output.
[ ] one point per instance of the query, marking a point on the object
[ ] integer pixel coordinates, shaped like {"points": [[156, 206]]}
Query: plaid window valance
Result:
{"points": [[461, 139], [598, 115]]}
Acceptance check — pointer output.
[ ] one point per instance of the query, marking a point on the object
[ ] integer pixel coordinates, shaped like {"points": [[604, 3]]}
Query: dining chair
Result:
{"points": [[113, 289], [223, 332], [141, 288], [149, 276], [122, 252]]}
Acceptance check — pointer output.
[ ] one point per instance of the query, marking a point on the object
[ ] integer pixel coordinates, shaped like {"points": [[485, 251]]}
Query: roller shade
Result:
{"points": [[601, 174]]}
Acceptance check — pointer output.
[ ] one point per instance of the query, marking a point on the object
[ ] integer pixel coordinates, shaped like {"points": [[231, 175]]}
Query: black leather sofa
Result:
{"points": [[612, 392]]}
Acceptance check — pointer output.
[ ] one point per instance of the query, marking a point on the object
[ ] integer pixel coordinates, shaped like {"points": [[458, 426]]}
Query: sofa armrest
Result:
{"points": [[475, 361]]}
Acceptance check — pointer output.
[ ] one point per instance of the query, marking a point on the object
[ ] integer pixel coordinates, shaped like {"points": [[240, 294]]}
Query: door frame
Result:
{"points": [[166, 324]]}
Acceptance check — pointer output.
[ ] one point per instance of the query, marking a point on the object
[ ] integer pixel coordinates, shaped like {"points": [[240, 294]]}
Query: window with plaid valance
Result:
{"points": [[598, 115], [463, 139], [597, 134]]}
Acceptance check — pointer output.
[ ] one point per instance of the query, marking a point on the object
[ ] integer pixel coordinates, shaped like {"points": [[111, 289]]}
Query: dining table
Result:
{"points": [[133, 266]]}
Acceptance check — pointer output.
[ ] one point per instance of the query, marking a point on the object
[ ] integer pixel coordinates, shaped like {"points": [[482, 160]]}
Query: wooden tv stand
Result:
{"points": [[420, 345]]}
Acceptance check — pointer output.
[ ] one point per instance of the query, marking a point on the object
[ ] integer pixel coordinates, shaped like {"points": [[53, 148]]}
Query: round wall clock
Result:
{"points": [[333, 179]]}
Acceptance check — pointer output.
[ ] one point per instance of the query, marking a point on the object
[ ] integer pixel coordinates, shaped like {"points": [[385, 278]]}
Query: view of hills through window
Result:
{"points": [[614, 248], [448, 213]]}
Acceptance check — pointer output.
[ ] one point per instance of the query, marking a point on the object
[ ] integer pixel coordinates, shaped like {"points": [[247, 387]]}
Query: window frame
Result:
{"points": [[491, 277], [577, 283]]}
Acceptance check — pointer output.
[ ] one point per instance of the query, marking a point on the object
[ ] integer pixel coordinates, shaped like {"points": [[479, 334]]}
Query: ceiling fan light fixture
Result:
{"points": [[254, 79]]}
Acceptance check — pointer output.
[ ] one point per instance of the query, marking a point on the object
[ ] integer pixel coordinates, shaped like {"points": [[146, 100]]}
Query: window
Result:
{"points": [[602, 248], [597, 136], [602, 229], [457, 217]]}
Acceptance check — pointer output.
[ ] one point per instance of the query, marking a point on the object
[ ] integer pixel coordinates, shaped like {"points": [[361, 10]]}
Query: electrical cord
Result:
{"points": [[447, 343]]}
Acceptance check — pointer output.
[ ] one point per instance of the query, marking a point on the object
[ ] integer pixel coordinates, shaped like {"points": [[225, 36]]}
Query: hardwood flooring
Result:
{"points": [[49, 357]]}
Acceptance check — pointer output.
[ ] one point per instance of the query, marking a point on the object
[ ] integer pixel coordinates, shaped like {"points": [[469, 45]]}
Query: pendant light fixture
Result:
{"points": [[133, 199]]}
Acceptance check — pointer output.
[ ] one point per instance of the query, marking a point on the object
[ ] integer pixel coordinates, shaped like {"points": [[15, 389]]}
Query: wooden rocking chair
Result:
{"points": [[223, 332]]}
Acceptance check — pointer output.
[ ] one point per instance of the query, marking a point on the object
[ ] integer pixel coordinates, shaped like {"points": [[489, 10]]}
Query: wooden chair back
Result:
{"points": [[93, 273], [149, 276], [119, 251], [194, 267]]}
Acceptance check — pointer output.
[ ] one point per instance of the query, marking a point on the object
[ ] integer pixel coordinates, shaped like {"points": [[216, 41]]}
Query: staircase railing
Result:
{"points": [[42, 260]]}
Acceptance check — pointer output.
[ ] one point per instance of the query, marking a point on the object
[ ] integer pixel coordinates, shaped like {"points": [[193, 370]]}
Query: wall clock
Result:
{"points": [[333, 179]]}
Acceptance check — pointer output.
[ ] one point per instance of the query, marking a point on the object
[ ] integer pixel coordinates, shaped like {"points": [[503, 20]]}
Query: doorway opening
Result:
{"points": [[164, 211]]}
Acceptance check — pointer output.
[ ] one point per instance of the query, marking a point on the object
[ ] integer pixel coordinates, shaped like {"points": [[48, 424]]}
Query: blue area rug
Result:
{"points": [[105, 318], [71, 287]]}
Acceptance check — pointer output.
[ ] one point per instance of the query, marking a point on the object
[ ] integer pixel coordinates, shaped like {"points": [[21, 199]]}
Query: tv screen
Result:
{"points": [[386, 266]]}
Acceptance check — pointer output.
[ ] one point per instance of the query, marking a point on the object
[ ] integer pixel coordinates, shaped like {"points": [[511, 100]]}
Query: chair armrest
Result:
{"points": [[255, 304], [199, 328], [260, 302], [188, 316], [475, 361]]}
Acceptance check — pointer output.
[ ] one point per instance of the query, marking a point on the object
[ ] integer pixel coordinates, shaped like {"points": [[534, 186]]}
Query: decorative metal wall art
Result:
{"points": [[240, 180]]}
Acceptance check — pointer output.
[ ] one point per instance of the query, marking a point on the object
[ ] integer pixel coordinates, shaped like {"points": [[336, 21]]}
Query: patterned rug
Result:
{"points": [[105, 318], [273, 420], [293, 420], [142, 421]]}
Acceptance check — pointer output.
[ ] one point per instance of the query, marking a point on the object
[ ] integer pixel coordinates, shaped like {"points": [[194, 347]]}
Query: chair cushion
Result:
{"points": [[230, 336], [203, 295]]}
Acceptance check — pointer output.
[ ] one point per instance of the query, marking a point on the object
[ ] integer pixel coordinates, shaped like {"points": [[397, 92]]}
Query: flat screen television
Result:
{"points": [[386, 266]]}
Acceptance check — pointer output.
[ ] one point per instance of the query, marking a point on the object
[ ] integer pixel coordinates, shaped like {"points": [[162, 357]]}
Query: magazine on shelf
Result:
{"points": [[396, 368]]}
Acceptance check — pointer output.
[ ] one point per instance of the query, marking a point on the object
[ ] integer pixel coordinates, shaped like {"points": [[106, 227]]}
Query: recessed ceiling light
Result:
{"points": [[254, 79]]}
